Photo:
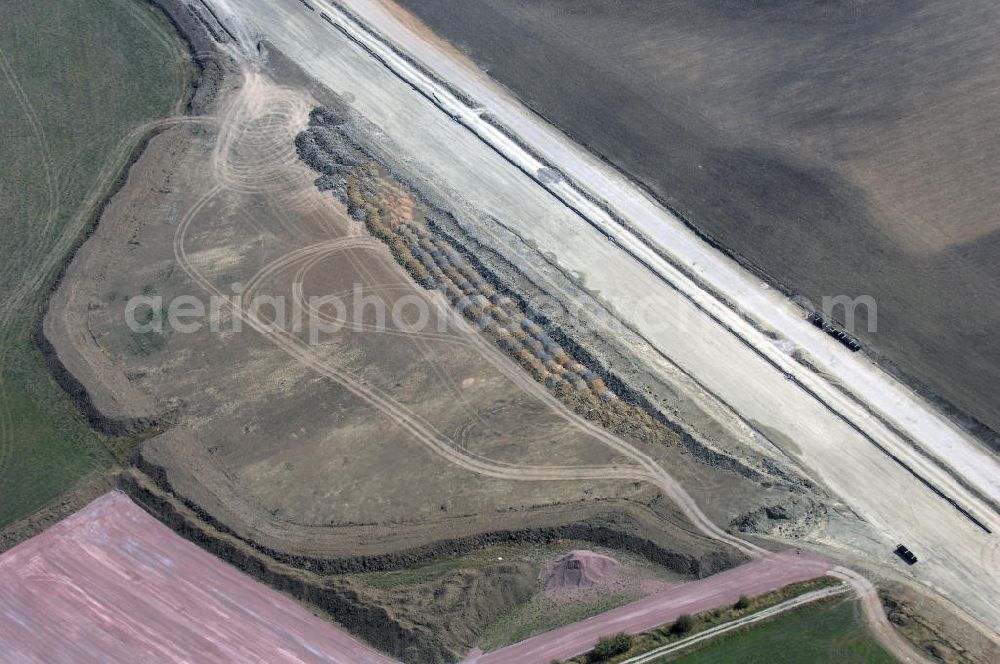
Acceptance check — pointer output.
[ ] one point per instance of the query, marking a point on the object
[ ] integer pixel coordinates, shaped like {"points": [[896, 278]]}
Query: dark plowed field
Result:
{"points": [[842, 148]]}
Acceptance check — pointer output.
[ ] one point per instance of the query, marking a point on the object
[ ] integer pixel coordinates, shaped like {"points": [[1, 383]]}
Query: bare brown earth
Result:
{"points": [[836, 147], [374, 449], [942, 634]]}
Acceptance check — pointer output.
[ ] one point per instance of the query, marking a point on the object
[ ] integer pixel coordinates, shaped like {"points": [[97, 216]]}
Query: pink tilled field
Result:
{"points": [[112, 584]]}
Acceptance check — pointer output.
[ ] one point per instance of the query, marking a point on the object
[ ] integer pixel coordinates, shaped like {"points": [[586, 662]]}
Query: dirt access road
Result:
{"points": [[769, 572], [113, 584], [645, 469], [763, 575], [803, 418]]}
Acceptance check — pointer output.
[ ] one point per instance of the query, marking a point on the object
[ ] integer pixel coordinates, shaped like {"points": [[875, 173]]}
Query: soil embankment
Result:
{"points": [[443, 628]]}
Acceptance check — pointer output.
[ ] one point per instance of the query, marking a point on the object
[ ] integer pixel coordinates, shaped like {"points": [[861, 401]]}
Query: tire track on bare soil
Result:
{"points": [[307, 258], [356, 325], [257, 119], [242, 121], [255, 91], [644, 470], [409, 421], [421, 344]]}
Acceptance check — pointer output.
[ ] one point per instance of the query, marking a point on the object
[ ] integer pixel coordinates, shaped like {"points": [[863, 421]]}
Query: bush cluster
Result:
{"points": [[610, 646], [683, 624]]}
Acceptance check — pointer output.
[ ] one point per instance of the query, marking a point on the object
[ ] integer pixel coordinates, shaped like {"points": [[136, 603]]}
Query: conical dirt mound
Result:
{"points": [[581, 569]]}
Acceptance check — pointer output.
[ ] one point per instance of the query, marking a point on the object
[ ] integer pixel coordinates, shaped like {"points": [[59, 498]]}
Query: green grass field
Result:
{"points": [[76, 76], [830, 631]]}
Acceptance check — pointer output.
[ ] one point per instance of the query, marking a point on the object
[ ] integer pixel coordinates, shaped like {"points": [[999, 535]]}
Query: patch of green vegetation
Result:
{"points": [[610, 646], [683, 624], [541, 614], [433, 570], [828, 631], [121, 447], [76, 77], [687, 625], [537, 615]]}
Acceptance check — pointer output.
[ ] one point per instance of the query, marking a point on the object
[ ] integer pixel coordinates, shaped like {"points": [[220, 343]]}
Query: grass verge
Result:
{"points": [[78, 75], [661, 636], [828, 631]]}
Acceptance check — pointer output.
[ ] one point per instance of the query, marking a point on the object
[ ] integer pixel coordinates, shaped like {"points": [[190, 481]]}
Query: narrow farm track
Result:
{"points": [[764, 614]]}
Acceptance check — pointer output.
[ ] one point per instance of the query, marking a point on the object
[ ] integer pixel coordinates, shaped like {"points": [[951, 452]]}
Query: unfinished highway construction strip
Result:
{"points": [[830, 436], [876, 406], [470, 161]]}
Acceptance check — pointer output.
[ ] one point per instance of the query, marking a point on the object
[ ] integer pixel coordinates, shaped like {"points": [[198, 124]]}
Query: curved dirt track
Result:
{"points": [[643, 468], [834, 433], [840, 458]]}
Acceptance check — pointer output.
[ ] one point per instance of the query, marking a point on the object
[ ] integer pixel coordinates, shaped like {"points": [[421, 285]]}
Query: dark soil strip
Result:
{"points": [[222, 25], [211, 64], [336, 599], [599, 533]]}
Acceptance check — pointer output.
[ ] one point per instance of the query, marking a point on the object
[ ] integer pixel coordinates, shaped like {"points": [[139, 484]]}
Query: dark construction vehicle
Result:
{"points": [[905, 554], [834, 330]]}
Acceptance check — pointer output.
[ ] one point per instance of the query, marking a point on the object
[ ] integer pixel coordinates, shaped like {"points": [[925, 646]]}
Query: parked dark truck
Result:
{"points": [[834, 331], [906, 554]]}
